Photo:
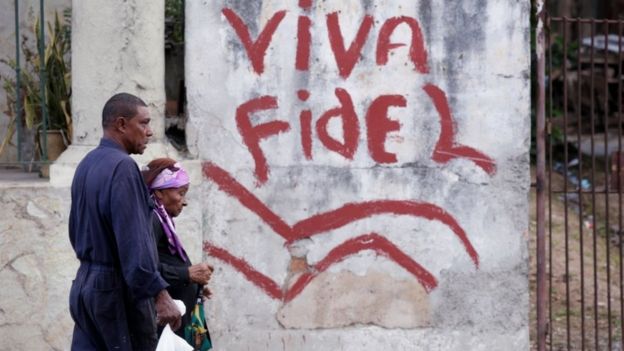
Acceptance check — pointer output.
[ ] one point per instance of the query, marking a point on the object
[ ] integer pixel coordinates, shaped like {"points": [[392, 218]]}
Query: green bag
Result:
{"points": [[196, 334]]}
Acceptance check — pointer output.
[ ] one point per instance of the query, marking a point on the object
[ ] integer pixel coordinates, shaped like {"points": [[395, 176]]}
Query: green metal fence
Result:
{"points": [[34, 114]]}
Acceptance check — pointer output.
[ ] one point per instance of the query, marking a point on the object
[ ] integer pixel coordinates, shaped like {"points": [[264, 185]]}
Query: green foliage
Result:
{"points": [[174, 17], [58, 87], [557, 53], [556, 135], [57, 91]]}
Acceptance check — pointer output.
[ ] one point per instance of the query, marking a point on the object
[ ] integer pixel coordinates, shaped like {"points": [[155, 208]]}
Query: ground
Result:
{"points": [[583, 307]]}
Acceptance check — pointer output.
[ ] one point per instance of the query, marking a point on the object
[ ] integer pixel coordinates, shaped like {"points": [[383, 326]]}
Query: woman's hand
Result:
{"points": [[200, 273], [206, 293]]}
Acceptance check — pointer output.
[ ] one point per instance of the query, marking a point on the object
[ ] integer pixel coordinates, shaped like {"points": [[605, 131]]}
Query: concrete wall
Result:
{"points": [[347, 201], [361, 192], [36, 269], [117, 46], [37, 263], [29, 12]]}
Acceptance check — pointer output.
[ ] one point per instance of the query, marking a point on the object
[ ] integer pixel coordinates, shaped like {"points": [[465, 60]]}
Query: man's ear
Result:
{"points": [[120, 123]]}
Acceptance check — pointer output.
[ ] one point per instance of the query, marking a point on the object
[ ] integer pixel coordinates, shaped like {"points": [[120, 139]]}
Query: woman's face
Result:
{"points": [[173, 199]]}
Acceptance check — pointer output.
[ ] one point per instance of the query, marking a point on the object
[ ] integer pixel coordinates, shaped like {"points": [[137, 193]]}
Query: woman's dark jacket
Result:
{"points": [[175, 272]]}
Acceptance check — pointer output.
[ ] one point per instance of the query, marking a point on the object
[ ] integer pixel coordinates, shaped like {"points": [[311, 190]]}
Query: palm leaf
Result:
{"points": [[57, 89], [8, 136], [68, 120]]}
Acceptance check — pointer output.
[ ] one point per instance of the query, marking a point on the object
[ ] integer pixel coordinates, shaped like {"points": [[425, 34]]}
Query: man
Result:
{"points": [[112, 297]]}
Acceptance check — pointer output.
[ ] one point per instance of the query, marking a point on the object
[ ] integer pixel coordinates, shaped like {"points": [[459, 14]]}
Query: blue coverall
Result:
{"points": [[112, 298]]}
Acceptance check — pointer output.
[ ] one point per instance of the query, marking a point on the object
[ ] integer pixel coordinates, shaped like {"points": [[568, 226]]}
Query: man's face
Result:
{"points": [[138, 131]]}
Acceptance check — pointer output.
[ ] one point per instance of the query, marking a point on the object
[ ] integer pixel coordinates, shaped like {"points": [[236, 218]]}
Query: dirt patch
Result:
{"points": [[584, 267]]}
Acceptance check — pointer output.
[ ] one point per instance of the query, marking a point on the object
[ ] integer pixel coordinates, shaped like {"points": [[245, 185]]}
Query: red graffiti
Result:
{"points": [[302, 62], [446, 149], [380, 245], [375, 242], [255, 50], [347, 58], [417, 52], [305, 4], [378, 125], [253, 134], [260, 280], [377, 116], [337, 218], [305, 120], [350, 126], [327, 221]]}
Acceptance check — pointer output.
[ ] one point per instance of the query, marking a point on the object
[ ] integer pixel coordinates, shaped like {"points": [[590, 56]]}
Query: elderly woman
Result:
{"points": [[168, 183]]}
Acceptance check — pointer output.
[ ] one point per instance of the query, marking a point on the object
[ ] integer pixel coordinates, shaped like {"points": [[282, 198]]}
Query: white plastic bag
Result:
{"points": [[180, 305], [169, 341]]}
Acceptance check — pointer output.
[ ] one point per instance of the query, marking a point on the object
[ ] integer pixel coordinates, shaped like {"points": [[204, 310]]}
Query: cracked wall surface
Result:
{"points": [[366, 169], [37, 263], [36, 268]]}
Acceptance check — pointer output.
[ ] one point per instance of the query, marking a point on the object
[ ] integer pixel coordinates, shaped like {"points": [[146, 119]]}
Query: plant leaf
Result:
{"points": [[8, 136]]}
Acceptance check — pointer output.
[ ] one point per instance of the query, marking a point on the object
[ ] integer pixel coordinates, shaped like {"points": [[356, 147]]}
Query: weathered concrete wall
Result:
{"points": [[36, 269], [29, 12], [331, 225], [37, 263], [361, 193], [117, 46]]}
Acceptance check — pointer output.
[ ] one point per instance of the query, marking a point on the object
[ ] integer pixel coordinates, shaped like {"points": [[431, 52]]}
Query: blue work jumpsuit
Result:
{"points": [[112, 298]]}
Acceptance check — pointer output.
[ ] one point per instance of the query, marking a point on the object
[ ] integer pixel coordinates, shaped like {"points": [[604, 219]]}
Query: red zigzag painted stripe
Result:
{"points": [[324, 222], [373, 241]]}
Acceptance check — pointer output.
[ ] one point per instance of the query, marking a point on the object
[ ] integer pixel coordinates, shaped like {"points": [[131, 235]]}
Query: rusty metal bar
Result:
{"points": [[43, 82], [541, 164], [586, 20], [619, 182], [593, 179], [606, 179], [550, 167], [565, 183], [18, 85], [575, 191], [580, 188], [597, 324]]}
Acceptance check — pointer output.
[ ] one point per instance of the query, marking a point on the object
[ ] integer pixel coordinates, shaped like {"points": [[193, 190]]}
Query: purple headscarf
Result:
{"points": [[168, 179]]}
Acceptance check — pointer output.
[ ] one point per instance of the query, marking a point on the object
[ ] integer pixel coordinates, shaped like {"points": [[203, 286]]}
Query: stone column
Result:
{"points": [[117, 46]]}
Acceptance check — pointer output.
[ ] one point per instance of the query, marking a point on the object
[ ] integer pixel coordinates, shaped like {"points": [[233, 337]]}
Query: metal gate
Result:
{"points": [[580, 156], [38, 90]]}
